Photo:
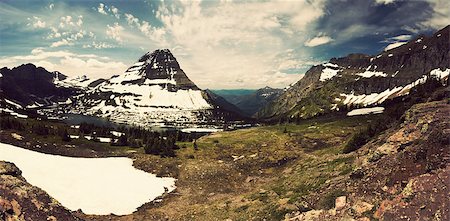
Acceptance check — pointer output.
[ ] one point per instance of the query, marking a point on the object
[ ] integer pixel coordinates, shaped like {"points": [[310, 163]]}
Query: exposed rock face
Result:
{"points": [[161, 64], [409, 180], [21, 201], [364, 80], [28, 84]]}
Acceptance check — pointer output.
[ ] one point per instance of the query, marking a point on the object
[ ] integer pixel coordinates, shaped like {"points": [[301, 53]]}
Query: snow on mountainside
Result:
{"points": [[82, 82], [153, 90], [364, 80]]}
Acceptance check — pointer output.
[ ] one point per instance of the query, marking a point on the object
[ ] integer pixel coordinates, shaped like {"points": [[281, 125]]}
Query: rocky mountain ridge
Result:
{"points": [[362, 80]]}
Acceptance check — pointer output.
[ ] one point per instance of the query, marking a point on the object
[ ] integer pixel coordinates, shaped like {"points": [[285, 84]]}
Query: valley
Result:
{"points": [[360, 136]]}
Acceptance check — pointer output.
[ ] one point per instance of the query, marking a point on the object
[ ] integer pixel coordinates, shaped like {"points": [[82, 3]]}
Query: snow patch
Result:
{"points": [[14, 104], [364, 111], [200, 130], [96, 185], [327, 72], [369, 74]]}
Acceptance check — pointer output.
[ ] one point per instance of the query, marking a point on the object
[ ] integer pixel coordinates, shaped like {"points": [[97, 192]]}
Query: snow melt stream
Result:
{"points": [[95, 185]]}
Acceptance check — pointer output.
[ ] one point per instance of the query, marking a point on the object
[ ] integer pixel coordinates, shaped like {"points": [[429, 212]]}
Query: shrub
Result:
{"points": [[328, 201], [365, 135]]}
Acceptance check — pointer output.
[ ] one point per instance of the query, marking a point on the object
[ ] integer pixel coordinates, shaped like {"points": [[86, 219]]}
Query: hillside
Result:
{"points": [[364, 80], [298, 171]]}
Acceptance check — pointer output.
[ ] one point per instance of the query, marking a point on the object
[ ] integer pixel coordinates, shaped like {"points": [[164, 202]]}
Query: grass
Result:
{"points": [[261, 172], [250, 174]]}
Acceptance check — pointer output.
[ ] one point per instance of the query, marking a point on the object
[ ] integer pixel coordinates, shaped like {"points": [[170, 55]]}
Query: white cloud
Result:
{"points": [[401, 38], [61, 42], [384, 2], [80, 20], [36, 22], [115, 32], [396, 41], [66, 21], [115, 12], [226, 44], [440, 16], [131, 19], [68, 63], [319, 40], [101, 9], [394, 45], [153, 33], [51, 6], [98, 45]]}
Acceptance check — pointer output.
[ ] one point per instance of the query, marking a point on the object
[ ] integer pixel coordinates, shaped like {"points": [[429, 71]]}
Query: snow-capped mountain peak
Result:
{"points": [[157, 68], [154, 89]]}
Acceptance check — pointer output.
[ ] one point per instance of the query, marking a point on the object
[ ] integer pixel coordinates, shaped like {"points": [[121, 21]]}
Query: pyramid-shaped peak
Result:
{"points": [[159, 55], [160, 67]]}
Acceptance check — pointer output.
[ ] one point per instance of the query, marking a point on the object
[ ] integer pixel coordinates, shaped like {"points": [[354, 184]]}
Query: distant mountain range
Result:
{"points": [[364, 80], [250, 101], [153, 91]]}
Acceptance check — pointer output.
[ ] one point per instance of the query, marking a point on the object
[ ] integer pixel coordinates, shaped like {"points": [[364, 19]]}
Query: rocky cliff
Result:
{"points": [[362, 80]]}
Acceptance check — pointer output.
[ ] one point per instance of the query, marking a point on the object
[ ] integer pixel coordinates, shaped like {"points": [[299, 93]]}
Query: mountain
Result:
{"points": [[154, 90], [250, 101], [82, 82], [33, 86], [364, 80]]}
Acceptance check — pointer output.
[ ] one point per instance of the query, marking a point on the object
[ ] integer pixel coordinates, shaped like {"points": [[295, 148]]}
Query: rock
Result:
{"points": [[310, 215], [362, 207], [16, 136], [7, 168], [5, 207], [357, 174], [340, 202]]}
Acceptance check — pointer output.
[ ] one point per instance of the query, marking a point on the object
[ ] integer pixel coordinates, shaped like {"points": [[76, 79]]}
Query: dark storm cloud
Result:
{"points": [[363, 26]]}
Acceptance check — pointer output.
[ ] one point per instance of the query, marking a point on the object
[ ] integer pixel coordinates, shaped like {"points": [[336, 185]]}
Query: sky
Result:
{"points": [[219, 44]]}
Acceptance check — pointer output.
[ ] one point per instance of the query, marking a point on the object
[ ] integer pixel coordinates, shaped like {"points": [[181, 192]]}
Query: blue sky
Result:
{"points": [[219, 44]]}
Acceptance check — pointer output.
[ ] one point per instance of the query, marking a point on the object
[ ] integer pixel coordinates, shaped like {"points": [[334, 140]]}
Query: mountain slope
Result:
{"points": [[249, 101], [154, 90], [363, 80], [31, 85]]}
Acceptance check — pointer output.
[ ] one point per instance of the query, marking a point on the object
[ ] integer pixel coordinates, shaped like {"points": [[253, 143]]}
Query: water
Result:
{"points": [[76, 119]]}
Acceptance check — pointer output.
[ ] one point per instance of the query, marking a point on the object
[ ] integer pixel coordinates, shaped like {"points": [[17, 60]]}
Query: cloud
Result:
{"points": [[70, 40], [61, 42], [115, 32], [131, 19], [401, 38], [101, 9], [224, 43], [319, 40], [98, 45], [153, 33], [440, 15], [68, 63], [51, 6], [115, 12], [396, 41], [36, 22], [384, 2], [394, 45]]}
